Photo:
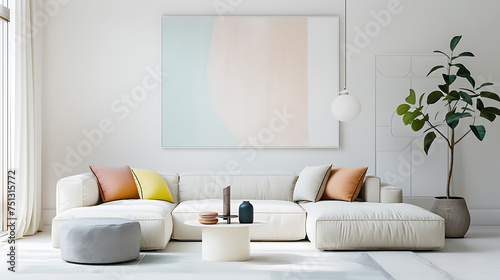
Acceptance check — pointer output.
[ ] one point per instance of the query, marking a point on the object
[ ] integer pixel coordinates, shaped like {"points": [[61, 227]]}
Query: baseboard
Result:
{"points": [[485, 217]]}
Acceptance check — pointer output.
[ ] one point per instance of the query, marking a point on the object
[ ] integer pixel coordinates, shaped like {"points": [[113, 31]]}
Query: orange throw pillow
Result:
{"points": [[344, 183], [115, 183]]}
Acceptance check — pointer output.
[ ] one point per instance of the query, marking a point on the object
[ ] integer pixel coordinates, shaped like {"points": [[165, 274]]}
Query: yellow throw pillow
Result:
{"points": [[151, 185]]}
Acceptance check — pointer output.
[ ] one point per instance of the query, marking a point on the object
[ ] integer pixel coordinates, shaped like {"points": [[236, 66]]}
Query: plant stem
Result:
{"points": [[442, 135], [462, 137], [450, 171]]}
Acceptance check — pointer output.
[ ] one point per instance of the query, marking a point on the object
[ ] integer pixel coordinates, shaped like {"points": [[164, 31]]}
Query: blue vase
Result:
{"points": [[246, 213]]}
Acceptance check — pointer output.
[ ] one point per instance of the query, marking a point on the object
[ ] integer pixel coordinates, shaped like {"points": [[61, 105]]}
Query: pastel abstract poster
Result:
{"points": [[249, 81]]}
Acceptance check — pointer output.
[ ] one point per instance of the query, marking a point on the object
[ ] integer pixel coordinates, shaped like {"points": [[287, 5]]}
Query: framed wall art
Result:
{"points": [[253, 81]]}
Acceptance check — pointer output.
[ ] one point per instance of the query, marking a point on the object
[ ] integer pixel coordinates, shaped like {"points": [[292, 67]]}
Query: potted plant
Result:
{"points": [[458, 101]]}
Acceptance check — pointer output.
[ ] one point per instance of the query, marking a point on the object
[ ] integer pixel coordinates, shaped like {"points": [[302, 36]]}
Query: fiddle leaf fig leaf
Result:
{"points": [[438, 51], [490, 95], [452, 96], [435, 68], [471, 81], [484, 85], [492, 110], [444, 88], [403, 108], [420, 99], [417, 124], [449, 79], [479, 104], [434, 97], [479, 131], [411, 99], [487, 115], [428, 139], [463, 54], [454, 42], [452, 119], [463, 72], [465, 97]]}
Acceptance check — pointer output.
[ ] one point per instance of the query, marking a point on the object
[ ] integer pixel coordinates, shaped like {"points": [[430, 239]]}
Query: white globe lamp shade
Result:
{"points": [[346, 107]]}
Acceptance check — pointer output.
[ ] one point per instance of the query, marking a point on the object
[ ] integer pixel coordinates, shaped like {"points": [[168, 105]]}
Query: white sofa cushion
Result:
{"points": [[250, 186], [154, 217], [286, 220], [311, 183], [340, 225]]}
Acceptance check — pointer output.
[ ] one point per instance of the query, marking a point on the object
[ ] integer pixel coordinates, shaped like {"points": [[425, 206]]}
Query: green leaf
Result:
{"points": [[469, 90], [467, 109], [490, 95], [452, 119], [465, 97], [444, 88], [492, 110], [435, 68], [453, 95], [484, 85], [454, 42], [479, 104], [456, 116], [479, 131], [417, 124], [487, 115], [437, 51], [463, 54], [409, 117], [463, 72], [449, 79], [420, 99], [428, 139], [403, 108], [471, 81], [411, 99], [434, 97]]}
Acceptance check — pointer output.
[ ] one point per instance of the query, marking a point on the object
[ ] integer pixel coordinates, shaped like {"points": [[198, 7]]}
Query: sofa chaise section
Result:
{"points": [[340, 225], [78, 197]]}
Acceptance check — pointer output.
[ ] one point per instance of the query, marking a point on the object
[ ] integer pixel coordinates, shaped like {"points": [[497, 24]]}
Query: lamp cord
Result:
{"points": [[345, 44]]}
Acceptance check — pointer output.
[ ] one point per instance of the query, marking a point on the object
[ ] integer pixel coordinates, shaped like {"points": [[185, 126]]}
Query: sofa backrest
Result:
{"points": [[172, 180], [256, 185]]}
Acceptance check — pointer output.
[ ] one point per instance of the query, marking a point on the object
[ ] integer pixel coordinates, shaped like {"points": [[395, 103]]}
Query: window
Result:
{"points": [[4, 87]]}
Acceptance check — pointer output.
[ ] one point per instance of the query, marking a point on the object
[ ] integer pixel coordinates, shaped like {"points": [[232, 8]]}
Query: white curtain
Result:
{"points": [[27, 117]]}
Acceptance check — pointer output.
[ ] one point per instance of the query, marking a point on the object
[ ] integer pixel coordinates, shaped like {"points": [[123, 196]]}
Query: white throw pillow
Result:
{"points": [[311, 183]]}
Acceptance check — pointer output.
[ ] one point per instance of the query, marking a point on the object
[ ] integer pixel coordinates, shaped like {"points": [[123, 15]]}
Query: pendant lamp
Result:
{"points": [[345, 107]]}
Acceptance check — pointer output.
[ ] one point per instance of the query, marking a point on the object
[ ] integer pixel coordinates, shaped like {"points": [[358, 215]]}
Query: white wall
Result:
{"points": [[96, 51]]}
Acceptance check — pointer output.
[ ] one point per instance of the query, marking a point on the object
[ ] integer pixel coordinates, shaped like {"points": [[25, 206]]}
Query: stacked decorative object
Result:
{"points": [[208, 218]]}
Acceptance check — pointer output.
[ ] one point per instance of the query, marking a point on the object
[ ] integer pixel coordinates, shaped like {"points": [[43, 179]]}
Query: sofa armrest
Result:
{"points": [[370, 192], [76, 191]]}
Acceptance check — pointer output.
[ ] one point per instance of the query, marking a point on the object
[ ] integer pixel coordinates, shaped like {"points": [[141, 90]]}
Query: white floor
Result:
{"points": [[477, 256]]}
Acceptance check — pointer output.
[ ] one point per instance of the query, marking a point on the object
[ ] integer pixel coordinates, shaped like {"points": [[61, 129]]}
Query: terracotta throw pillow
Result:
{"points": [[115, 183], [344, 183]]}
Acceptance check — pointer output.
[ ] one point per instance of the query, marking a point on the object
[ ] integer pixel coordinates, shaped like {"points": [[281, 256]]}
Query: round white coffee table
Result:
{"points": [[223, 242]]}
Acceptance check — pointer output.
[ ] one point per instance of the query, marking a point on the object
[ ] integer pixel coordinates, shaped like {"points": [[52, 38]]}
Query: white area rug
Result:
{"points": [[269, 260]]}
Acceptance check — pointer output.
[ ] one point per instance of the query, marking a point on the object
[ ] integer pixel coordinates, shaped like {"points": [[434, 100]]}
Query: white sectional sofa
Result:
{"points": [[329, 225]]}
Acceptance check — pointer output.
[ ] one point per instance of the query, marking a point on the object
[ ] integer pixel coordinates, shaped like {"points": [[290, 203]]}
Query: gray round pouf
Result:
{"points": [[100, 240]]}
